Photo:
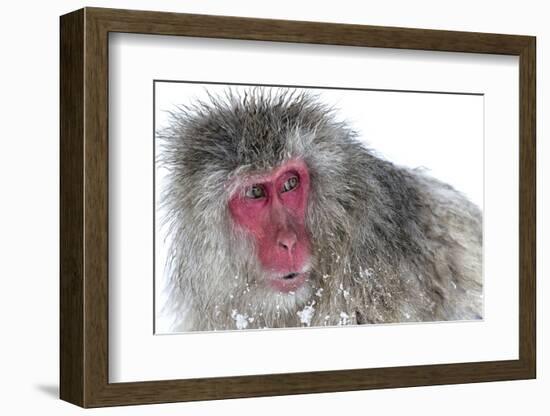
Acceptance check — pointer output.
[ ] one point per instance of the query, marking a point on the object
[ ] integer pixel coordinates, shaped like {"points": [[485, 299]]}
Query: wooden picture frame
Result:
{"points": [[84, 207]]}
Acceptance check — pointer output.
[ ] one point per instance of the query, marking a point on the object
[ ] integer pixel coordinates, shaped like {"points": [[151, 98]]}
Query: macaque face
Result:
{"points": [[272, 208]]}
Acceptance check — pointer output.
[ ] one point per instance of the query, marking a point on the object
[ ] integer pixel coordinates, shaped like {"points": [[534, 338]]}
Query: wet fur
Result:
{"points": [[389, 244]]}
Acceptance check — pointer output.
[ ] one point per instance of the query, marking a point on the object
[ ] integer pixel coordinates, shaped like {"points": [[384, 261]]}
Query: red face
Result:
{"points": [[272, 209]]}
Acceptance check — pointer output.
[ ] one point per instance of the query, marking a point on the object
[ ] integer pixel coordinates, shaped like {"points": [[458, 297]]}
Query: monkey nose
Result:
{"points": [[287, 241]]}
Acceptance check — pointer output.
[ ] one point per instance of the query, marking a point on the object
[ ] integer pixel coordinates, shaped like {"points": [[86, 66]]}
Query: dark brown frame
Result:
{"points": [[84, 208]]}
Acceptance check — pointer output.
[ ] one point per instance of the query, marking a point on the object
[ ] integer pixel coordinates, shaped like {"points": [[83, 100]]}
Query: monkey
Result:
{"points": [[278, 216]]}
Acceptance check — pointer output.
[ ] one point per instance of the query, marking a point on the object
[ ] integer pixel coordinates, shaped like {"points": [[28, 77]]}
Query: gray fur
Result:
{"points": [[389, 244]]}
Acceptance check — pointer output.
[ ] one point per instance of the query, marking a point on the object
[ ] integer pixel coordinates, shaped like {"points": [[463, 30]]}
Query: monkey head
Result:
{"points": [[257, 202]]}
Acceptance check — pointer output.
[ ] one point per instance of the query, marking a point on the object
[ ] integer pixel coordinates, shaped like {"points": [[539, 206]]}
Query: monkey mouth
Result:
{"points": [[289, 282], [290, 276]]}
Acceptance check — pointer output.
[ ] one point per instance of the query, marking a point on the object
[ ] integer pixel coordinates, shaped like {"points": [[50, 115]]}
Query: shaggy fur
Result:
{"points": [[389, 244]]}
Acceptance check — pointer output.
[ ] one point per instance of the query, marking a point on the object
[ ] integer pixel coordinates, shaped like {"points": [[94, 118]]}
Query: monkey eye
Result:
{"points": [[291, 183], [255, 192]]}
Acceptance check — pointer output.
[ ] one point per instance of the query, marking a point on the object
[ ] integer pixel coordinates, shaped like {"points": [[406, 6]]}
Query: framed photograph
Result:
{"points": [[255, 207]]}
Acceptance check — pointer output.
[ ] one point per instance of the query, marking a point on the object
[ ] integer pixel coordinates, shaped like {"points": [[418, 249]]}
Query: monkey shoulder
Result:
{"points": [[428, 236], [450, 236]]}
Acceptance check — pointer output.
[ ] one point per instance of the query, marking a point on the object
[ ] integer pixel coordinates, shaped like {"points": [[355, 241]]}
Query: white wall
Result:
{"points": [[29, 209]]}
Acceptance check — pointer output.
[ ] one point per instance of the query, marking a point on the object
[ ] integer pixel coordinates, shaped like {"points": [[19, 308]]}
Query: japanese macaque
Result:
{"points": [[278, 216]]}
